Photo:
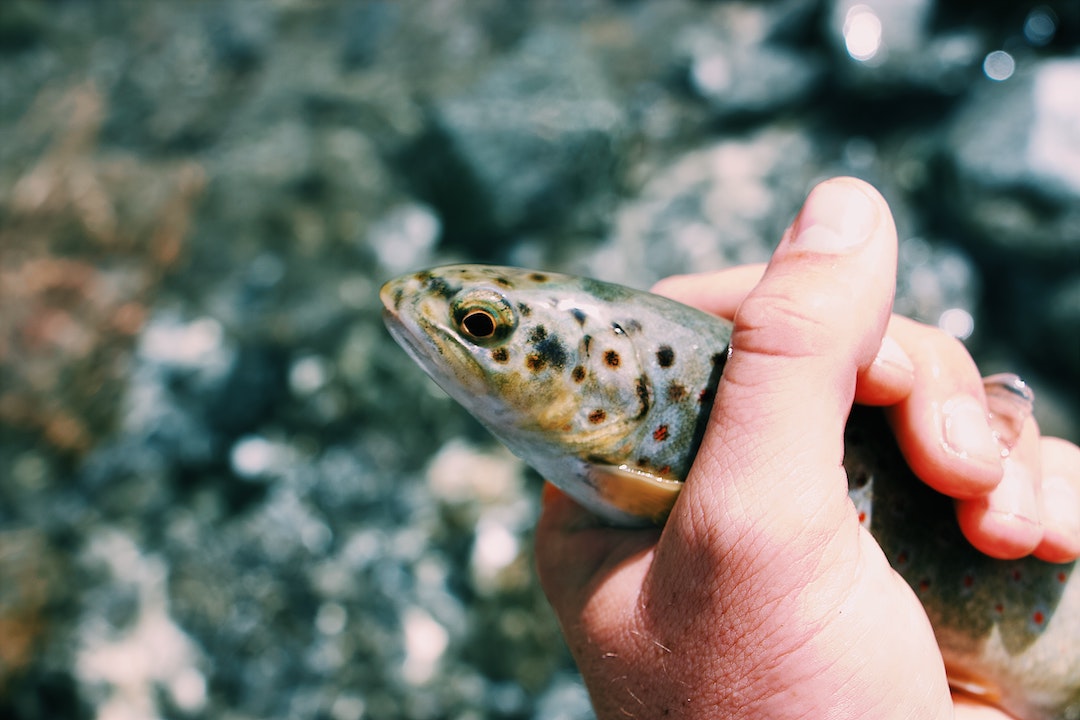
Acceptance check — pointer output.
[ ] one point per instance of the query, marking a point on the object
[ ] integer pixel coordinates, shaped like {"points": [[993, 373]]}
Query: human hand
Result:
{"points": [[1025, 503], [763, 596]]}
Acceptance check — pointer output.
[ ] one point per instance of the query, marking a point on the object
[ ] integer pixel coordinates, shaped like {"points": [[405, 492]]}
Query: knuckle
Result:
{"points": [[781, 325]]}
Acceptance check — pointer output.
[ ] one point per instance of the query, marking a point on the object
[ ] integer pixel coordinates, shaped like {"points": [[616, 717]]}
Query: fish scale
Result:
{"points": [[606, 390]]}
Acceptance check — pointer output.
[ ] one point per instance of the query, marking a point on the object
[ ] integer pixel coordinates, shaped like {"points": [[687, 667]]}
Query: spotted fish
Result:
{"points": [[606, 390]]}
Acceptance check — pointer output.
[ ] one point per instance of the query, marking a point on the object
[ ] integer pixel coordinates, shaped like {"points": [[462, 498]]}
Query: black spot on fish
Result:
{"points": [[597, 416], [535, 362], [665, 356], [617, 328], [500, 280], [439, 286], [549, 348], [586, 342], [538, 277], [399, 295], [578, 373], [632, 325], [524, 309], [500, 355], [643, 463], [579, 315], [642, 389], [676, 392], [612, 358]]}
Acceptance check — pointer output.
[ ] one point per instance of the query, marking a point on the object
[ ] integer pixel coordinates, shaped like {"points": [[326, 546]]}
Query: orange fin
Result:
{"points": [[635, 491]]}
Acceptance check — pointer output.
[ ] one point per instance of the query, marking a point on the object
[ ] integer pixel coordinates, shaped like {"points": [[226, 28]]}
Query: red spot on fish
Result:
{"points": [[1017, 576], [660, 433], [1061, 577], [664, 470], [902, 558], [862, 518], [1038, 617], [924, 585], [999, 609], [597, 416], [969, 581]]}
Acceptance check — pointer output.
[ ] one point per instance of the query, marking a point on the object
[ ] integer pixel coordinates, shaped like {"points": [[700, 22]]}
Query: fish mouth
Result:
{"points": [[431, 344]]}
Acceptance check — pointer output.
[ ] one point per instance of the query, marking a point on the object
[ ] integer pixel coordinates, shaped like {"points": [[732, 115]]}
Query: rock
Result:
{"points": [[882, 45], [724, 204], [1016, 155], [532, 144], [736, 66]]}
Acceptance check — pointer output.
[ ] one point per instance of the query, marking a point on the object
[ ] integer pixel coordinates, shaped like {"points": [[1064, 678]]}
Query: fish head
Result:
{"points": [[534, 356]]}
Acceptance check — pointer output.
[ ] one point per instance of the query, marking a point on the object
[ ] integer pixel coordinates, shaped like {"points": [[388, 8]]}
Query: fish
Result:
{"points": [[606, 390]]}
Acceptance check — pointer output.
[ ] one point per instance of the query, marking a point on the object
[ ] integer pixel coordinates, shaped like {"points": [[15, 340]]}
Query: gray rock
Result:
{"points": [[1016, 152], [533, 143], [736, 65], [725, 204], [882, 44]]}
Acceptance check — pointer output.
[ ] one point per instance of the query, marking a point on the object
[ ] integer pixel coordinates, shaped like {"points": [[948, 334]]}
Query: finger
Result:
{"points": [[801, 336], [942, 426], [719, 293], [575, 552], [1060, 506], [1005, 523], [890, 378], [886, 381]]}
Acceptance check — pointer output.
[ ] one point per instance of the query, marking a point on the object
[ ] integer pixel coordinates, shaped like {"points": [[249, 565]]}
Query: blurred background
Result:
{"points": [[225, 492]]}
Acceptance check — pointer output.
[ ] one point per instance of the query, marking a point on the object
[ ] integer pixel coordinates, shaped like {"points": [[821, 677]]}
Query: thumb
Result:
{"points": [[801, 336]]}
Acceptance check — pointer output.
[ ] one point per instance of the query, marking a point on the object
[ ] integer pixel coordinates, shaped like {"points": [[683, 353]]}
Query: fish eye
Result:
{"points": [[479, 323], [483, 317]]}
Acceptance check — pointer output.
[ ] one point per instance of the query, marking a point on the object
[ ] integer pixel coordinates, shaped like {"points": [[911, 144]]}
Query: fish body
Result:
{"points": [[606, 390]]}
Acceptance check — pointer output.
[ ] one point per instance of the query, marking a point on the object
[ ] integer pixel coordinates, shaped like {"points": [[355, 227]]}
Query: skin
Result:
{"points": [[762, 597]]}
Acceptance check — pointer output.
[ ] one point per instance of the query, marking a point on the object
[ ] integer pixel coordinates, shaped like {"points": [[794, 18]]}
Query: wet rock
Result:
{"points": [[240, 33], [883, 45], [735, 64], [532, 144], [724, 204], [366, 24], [1017, 162]]}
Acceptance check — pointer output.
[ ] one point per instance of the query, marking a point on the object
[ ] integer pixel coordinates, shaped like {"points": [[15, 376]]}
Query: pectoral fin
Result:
{"points": [[634, 491]]}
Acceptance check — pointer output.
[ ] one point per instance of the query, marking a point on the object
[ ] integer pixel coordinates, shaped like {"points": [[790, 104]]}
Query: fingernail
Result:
{"points": [[967, 431], [837, 217], [1014, 497], [893, 355]]}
